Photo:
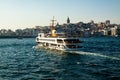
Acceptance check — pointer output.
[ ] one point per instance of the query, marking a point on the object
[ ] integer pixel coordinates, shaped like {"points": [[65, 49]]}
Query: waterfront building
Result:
{"points": [[19, 32], [113, 31], [118, 31], [10, 33], [92, 22], [104, 32], [87, 33], [3, 32], [107, 22]]}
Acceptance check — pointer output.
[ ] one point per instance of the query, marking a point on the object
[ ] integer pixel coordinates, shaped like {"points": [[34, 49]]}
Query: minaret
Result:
{"points": [[68, 20]]}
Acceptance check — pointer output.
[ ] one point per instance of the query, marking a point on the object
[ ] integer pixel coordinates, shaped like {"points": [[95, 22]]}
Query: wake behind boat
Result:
{"points": [[58, 41]]}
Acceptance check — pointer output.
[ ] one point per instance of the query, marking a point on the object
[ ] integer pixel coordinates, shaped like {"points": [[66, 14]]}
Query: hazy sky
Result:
{"points": [[29, 13]]}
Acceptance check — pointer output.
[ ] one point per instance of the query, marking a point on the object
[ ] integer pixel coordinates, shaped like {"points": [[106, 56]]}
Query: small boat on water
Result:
{"points": [[58, 41]]}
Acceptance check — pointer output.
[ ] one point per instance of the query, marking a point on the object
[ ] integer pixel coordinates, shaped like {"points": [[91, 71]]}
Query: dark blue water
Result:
{"points": [[99, 59]]}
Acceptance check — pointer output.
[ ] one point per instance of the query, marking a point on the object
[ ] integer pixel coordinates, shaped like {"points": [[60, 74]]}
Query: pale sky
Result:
{"points": [[22, 14]]}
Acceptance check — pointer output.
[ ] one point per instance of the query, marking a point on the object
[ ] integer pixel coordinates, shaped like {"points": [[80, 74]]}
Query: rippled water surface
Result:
{"points": [[99, 59]]}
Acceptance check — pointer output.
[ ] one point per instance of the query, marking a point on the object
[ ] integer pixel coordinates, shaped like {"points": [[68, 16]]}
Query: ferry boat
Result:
{"points": [[58, 41]]}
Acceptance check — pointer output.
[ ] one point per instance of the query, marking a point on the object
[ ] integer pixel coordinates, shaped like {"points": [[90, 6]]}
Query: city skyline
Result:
{"points": [[21, 14]]}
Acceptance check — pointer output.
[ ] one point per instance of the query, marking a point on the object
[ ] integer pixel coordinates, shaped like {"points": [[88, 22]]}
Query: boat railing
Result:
{"points": [[60, 35]]}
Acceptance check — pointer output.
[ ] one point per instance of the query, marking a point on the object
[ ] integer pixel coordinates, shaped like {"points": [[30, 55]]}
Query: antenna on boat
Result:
{"points": [[53, 31]]}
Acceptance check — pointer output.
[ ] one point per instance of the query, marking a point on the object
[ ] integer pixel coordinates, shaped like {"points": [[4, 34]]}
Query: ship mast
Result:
{"points": [[53, 31], [52, 24]]}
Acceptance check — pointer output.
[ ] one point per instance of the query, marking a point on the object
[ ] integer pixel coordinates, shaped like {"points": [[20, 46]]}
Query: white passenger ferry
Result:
{"points": [[58, 41]]}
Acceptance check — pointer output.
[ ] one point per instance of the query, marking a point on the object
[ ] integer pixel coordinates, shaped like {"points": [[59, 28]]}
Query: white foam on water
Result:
{"points": [[96, 54], [89, 53]]}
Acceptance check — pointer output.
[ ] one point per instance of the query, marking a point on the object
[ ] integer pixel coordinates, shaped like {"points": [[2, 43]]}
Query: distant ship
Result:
{"points": [[58, 41]]}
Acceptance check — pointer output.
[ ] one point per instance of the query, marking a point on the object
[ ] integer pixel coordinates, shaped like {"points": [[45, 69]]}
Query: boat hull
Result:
{"points": [[39, 46]]}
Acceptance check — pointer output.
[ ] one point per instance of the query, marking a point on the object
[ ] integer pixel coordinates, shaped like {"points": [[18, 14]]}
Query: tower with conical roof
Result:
{"points": [[68, 20]]}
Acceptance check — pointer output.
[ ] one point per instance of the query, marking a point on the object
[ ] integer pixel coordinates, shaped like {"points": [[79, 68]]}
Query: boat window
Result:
{"points": [[53, 44], [47, 44], [59, 41], [72, 41], [37, 39]]}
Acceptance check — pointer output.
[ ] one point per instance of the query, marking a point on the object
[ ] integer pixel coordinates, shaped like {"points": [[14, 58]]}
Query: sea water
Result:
{"points": [[98, 59]]}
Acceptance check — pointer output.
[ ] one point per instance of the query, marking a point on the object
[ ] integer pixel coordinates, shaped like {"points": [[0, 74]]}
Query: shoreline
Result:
{"points": [[19, 37]]}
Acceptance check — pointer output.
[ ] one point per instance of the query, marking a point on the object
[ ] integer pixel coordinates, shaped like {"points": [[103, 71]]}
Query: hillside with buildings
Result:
{"points": [[80, 29]]}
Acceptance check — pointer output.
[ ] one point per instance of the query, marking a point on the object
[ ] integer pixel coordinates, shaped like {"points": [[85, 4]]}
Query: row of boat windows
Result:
{"points": [[61, 41], [69, 46], [69, 41]]}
